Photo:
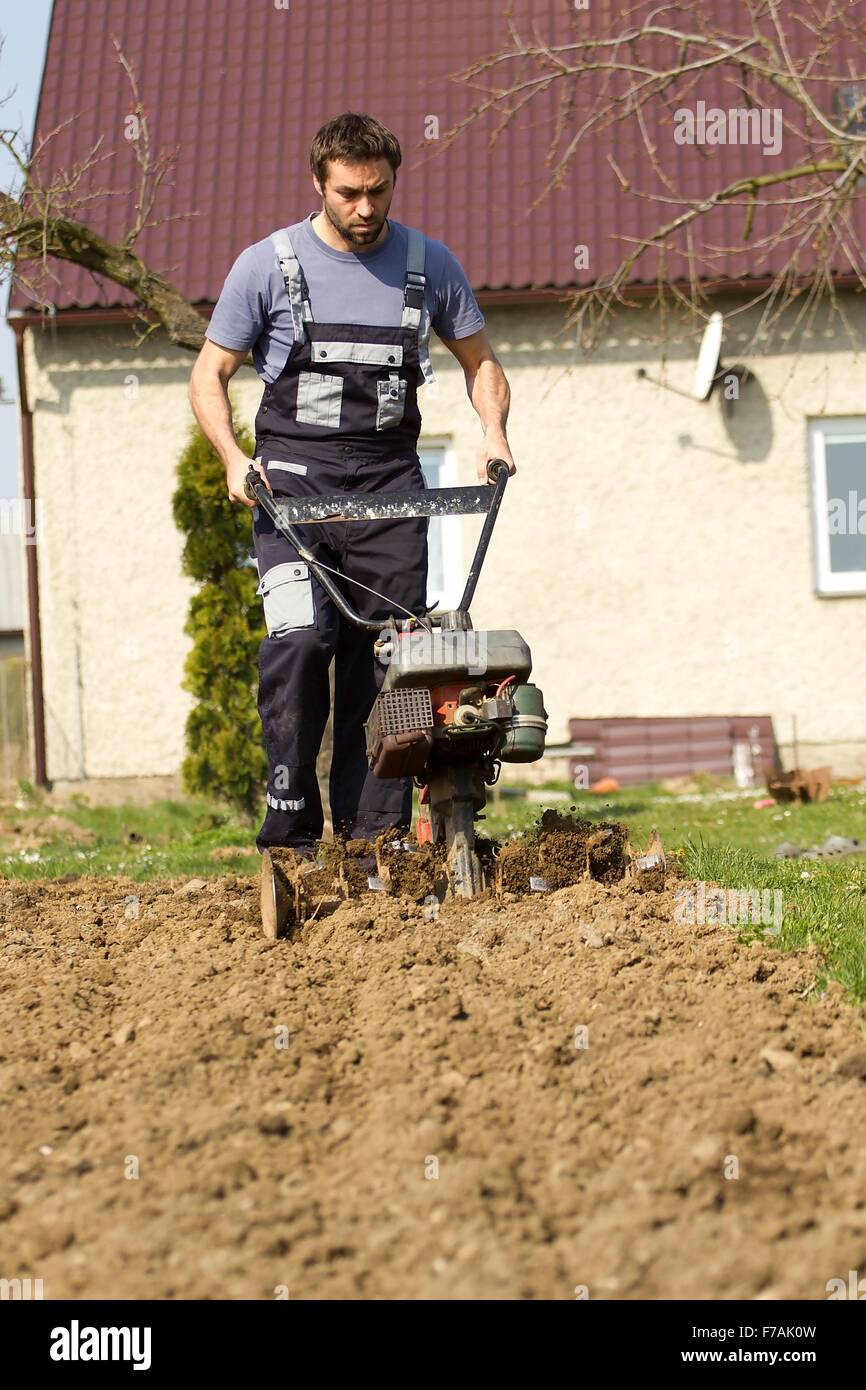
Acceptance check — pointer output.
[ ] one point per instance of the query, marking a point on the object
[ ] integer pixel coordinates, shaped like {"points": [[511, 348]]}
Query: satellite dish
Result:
{"points": [[709, 370], [708, 358]]}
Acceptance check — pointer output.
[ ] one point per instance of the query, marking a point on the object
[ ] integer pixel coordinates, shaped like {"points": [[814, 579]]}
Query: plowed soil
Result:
{"points": [[505, 1100]]}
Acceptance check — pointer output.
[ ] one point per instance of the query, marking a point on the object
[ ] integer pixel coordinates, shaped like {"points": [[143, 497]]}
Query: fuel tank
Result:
{"points": [[439, 658]]}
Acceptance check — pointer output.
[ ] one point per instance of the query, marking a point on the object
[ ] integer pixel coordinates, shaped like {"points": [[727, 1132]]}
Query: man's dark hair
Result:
{"points": [[353, 137]]}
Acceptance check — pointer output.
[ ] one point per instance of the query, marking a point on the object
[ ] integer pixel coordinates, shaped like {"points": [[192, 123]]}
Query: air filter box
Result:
{"points": [[399, 737]]}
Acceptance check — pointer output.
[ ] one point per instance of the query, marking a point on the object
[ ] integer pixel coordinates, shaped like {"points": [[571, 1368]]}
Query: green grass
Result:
{"points": [[155, 840], [716, 837], [823, 902], [721, 839], [717, 813]]}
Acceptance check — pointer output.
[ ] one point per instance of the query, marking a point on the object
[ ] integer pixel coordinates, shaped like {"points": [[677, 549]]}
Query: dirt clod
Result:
{"points": [[562, 850], [853, 1064], [409, 869]]}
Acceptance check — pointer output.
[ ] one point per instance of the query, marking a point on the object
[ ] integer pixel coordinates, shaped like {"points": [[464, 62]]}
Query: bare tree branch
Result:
{"points": [[42, 221], [648, 67]]}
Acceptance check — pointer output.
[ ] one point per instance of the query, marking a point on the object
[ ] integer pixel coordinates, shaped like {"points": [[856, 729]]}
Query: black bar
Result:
{"points": [[498, 469], [194, 1339]]}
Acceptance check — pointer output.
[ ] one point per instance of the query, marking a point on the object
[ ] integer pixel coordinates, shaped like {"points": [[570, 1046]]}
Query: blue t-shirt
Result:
{"points": [[364, 287]]}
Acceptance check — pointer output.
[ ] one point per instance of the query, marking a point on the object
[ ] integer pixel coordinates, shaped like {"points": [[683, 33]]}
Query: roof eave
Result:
{"points": [[19, 319]]}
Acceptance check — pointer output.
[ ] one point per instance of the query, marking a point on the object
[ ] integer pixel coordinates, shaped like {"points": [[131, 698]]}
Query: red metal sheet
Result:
{"points": [[643, 750], [242, 89]]}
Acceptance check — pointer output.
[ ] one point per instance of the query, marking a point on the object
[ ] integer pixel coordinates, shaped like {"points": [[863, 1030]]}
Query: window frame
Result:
{"points": [[843, 583], [452, 548]]}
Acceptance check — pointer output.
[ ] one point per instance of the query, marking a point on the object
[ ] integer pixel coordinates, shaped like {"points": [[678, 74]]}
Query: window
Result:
{"points": [[837, 457], [444, 578]]}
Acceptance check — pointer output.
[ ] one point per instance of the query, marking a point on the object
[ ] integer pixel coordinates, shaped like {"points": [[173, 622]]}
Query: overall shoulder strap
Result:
{"points": [[295, 283], [415, 312]]}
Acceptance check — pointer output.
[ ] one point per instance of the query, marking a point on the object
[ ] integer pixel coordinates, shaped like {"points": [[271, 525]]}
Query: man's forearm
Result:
{"points": [[490, 395], [209, 399]]}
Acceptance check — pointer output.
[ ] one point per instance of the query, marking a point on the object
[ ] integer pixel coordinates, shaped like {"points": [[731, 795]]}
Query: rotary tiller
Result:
{"points": [[455, 703]]}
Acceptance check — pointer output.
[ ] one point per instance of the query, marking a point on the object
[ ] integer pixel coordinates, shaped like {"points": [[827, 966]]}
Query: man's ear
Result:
{"points": [[318, 187]]}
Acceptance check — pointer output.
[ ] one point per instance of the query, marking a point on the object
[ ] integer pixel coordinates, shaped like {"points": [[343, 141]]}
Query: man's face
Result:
{"points": [[356, 198]]}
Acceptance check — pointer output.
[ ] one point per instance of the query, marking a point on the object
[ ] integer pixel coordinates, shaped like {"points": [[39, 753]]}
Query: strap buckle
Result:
{"points": [[413, 295]]}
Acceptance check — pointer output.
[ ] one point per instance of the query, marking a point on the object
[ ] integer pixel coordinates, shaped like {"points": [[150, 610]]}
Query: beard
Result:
{"points": [[358, 234]]}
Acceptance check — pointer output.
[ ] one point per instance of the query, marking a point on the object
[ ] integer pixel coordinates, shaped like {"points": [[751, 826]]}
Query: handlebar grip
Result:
{"points": [[494, 468], [253, 476]]}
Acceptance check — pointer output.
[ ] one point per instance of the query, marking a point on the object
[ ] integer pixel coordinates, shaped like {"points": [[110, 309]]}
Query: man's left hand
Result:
{"points": [[492, 446]]}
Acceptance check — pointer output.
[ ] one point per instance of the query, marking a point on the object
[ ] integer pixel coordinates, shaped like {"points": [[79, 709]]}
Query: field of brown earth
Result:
{"points": [[556, 1096]]}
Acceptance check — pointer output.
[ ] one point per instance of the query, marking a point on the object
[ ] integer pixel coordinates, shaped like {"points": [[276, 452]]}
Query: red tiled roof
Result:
{"points": [[242, 88]]}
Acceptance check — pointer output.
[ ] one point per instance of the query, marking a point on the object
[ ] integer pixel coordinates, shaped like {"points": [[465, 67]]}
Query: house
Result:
{"points": [[663, 555]]}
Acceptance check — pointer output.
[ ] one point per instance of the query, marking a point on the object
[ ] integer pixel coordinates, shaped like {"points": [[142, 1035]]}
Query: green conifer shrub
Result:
{"points": [[225, 755]]}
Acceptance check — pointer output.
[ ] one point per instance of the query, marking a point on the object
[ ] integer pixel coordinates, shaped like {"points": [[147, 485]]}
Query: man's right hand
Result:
{"points": [[237, 469]]}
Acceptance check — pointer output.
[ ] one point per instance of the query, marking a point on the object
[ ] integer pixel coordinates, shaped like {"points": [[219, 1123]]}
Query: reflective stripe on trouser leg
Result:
{"points": [[282, 804]]}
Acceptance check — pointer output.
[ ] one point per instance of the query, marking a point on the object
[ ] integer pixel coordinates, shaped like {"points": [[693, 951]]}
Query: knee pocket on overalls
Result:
{"points": [[287, 596]]}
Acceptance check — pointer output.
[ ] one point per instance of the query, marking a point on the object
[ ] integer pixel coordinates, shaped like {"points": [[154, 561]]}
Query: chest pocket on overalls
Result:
{"points": [[320, 399], [391, 402], [319, 396]]}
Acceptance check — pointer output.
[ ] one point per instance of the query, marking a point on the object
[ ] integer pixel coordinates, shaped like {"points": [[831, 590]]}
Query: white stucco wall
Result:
{"points": [[660, 559], [657, 558], [109, 424]]}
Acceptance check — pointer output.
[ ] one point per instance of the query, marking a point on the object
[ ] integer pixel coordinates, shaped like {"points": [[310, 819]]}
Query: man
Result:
{"points": [[337, 310]]}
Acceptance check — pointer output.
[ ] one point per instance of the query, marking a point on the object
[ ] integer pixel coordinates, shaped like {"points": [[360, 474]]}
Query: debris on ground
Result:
{"points": [[650, 868], [797, 785], [192, 885], [834, 847], [562, 850], [23, 833], [605, 784]]}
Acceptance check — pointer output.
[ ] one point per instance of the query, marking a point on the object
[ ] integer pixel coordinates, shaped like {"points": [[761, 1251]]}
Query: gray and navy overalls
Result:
{"points": [[342, 416]]}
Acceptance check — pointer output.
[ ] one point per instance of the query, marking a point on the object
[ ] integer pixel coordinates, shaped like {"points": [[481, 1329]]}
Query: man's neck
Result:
{"points": [[325, 230]]}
